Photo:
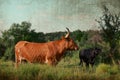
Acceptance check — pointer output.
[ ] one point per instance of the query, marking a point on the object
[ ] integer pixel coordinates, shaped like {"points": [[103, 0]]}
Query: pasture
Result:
{"points": [[67, 69], [47, 26]]}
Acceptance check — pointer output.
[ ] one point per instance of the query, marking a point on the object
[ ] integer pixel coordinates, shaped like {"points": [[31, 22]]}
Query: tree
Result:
{"points": [[77, 35], [110, 25], [2, 48], [94, 37], [84, 39]]}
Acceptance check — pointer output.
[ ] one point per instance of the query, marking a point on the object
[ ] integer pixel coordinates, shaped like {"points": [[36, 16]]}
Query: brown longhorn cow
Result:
{"points": [[49, 52]]}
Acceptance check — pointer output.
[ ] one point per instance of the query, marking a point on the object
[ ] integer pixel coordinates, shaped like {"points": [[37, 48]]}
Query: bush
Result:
{"points": [[102, 68], [9, 54], [105, 68], [114, 69]]}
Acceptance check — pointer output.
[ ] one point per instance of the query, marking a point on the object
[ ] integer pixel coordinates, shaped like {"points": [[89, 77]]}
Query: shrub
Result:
{"points": [[102, 68], [114, 69]]}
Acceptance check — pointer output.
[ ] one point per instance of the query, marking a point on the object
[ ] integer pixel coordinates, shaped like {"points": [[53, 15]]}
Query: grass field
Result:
{"points": [[67, 69]]}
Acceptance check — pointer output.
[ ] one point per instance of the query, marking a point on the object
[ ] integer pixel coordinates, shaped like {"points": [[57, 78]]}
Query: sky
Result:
{"points": [[54, 15]]}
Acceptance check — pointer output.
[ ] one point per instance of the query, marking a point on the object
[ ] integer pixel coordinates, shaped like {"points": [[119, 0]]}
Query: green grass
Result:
{"points": [[67, 69]]}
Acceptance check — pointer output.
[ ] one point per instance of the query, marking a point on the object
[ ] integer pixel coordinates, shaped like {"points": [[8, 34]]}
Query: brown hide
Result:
{"points": [[49, 52]]}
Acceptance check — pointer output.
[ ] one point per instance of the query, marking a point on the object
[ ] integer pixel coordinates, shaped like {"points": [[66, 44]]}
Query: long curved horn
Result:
{"points": [[67, 35]]}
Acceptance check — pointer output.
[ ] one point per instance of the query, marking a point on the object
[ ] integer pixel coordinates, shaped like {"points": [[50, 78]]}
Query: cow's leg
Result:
{"points": [[48, 61], [17, 60], [51, 61], [92, 62], [81, 62], [87, 64]]}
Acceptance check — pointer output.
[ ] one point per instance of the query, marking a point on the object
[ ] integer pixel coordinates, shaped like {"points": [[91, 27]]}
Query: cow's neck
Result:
{"points": [[61, 47]]}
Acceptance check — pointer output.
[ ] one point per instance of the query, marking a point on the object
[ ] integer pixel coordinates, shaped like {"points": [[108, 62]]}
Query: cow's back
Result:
{"points": [[20, 44]]}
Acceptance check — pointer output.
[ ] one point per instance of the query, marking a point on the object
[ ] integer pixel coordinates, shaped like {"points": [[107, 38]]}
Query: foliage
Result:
{"points": [[21, 31], [77, 35], [84, 39], [2, 48], [8, 55], [110, 25], [105, 68], [54, 36], [102, 68]]}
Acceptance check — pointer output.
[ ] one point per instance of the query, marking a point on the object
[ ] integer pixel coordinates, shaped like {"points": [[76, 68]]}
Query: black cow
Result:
{"points": [[88, 55]]}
